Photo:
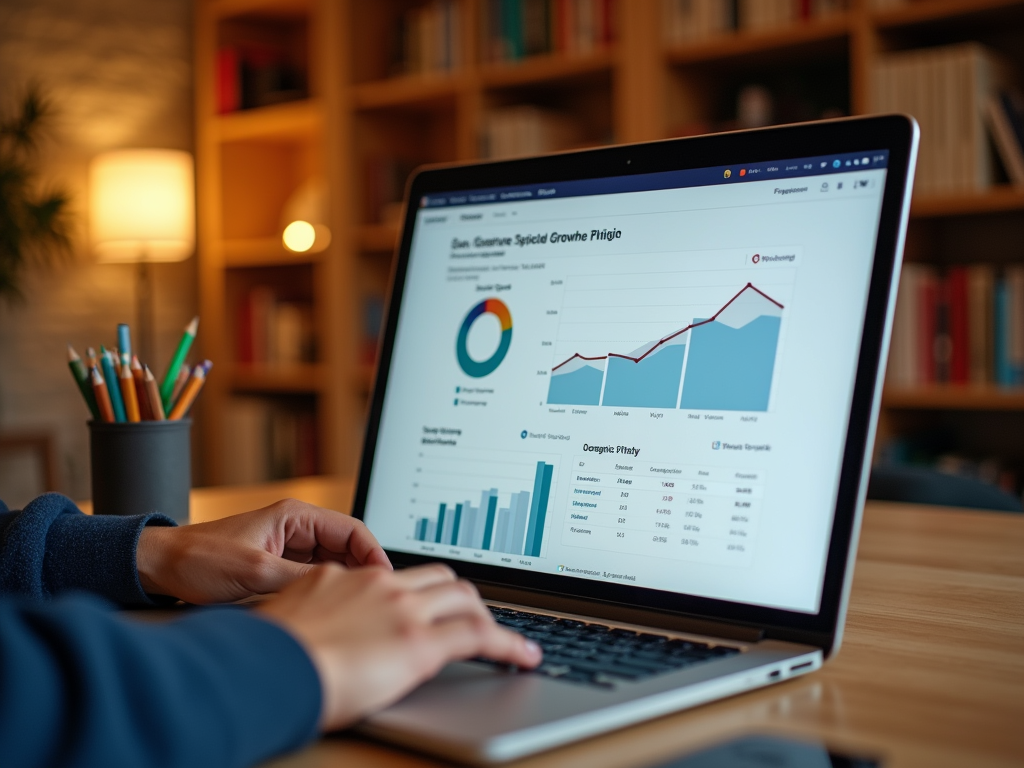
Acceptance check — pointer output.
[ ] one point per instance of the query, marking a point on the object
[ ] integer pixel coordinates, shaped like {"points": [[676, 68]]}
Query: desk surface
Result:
{"points": [[931, 672]]}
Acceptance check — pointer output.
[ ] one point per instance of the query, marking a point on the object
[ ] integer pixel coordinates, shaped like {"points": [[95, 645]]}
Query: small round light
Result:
{"points": [[299, 236]]}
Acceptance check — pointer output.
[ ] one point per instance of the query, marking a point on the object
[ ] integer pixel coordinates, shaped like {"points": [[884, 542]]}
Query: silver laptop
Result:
{"points": [[631, 394]]}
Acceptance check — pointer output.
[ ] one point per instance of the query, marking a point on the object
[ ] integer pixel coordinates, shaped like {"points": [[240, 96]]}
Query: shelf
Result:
{"points": [[309, 378], [222, 9], [262, 252], [995, 200], [408, 91], [737, 45], [295, 119], [955, 398], [940, 11], [378, 238], [547, 68]]}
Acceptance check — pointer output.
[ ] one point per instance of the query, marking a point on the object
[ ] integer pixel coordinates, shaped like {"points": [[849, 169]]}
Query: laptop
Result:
{"points": [[631, 394]]}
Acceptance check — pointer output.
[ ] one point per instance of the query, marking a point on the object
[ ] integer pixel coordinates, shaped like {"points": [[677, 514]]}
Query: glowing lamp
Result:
{"points": [[303, 219]]}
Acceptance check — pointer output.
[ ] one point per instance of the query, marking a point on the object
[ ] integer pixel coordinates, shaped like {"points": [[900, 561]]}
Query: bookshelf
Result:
{"points": [[368, 119]]}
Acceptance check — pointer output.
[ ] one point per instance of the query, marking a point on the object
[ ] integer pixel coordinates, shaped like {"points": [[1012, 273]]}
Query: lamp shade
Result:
{"points": [[142, 205]]}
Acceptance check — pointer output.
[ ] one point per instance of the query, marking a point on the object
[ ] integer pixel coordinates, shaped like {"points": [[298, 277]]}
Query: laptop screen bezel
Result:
{"points": [[892, 133]]}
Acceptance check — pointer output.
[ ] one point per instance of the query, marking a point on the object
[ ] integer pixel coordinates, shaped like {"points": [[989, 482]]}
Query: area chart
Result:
{"points": [[723, 362]]}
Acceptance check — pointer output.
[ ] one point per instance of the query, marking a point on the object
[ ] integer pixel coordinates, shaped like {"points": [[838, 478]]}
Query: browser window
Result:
{"points": [[642, 380]]}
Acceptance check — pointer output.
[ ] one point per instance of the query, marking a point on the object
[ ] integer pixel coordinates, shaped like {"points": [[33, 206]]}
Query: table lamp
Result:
{"points": [[142, 210]]}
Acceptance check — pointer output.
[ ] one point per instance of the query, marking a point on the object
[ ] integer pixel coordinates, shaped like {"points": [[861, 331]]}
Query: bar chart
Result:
{"points": [[507, 516], [725, 361]]}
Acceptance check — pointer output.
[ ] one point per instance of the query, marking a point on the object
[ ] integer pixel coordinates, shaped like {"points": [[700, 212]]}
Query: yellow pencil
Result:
{"points": [[131, 401], [188, 394], [153, 390]]}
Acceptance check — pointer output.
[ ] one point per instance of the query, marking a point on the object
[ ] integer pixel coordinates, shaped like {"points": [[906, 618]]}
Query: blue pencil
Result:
{"points": [[113, 385], [124, 341]]}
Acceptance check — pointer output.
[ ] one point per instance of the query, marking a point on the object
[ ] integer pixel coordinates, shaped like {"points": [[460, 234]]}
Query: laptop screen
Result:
{"points": [[644, 380]]}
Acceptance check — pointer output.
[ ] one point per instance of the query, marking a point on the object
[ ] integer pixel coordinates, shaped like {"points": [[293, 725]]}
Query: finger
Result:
{"points": [[466, 638], [440, 602], [333, 533], [425, 576]]}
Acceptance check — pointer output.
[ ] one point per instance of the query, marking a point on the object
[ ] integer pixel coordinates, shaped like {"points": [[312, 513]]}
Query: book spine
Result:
{"points": [[959, 365]]}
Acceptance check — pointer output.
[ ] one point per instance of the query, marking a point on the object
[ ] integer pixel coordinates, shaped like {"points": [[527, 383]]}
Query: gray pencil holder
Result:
{"points": [[141, 467]]}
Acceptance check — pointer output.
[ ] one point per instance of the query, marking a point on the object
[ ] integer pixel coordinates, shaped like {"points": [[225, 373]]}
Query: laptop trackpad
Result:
{"points": [[481, 700]]}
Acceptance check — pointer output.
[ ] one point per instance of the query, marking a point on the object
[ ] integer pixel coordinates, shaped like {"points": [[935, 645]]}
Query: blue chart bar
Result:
{"points": [[517, 528], [730, 369], [577, 382], [653, 382]]}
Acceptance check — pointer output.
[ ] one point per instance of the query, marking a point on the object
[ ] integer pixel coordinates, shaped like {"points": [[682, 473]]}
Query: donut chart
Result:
{"points": [[478, 369]]}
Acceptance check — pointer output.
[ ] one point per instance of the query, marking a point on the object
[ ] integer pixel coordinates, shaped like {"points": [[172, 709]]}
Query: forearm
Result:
{"points": [[80, 685], [51, 548]]}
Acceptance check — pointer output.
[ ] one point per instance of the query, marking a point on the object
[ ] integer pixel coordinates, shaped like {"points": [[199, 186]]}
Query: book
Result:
{"points": [[516, 29], [252, 75], [963, 325], [268, 440], [273, 332], [428, 39], [527, 130], [1005, 113], [948, 90]]}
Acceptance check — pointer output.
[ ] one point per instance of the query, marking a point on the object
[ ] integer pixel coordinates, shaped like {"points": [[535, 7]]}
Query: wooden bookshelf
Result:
{"points": [[637, 88], [955, 398]]}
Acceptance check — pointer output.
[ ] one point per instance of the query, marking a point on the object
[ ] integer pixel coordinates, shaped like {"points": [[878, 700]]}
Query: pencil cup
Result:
{"points": [[141, 467]]}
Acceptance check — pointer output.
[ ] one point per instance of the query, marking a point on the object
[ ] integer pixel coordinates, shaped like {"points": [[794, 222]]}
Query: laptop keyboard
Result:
{"points": [[600, 655]]}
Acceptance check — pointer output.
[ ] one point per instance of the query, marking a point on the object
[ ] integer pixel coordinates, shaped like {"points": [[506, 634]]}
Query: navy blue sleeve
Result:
{"points": [[51, 547], [83, 686]]}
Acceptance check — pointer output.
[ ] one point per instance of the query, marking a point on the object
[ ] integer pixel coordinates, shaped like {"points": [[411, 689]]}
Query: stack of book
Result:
{"points": [[251, 75], [514, 29], [527, 130], [274, 332], [963, 326], [269, 441], [687, 21], [429, 39], [948, 90]]}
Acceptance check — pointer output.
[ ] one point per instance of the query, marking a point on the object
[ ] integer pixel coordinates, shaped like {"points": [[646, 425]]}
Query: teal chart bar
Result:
{"points": [[516, 528]]}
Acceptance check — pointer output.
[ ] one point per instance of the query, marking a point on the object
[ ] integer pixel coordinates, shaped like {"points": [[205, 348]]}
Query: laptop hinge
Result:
{"points": [[621, 613]]}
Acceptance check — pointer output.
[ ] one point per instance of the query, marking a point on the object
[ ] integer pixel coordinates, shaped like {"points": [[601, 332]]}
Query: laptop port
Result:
{"points": [[775, 674], [804, 665]]}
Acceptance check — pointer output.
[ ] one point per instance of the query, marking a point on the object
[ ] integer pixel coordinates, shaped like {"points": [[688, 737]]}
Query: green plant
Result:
{"points": [[35, 223]]}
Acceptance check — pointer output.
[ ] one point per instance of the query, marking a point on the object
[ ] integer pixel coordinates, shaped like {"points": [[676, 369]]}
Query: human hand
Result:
{"points": [[374, 635], [251, 554]]}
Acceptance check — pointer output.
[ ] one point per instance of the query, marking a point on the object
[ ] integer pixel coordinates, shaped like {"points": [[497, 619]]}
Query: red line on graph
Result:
{"points": [[711, 319]]}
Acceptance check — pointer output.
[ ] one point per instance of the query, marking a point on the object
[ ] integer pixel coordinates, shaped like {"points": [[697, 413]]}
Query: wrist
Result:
{"points": [[152, 558]]}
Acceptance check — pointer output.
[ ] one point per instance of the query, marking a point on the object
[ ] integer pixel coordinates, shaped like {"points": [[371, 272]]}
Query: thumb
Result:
{"points": [[275, 573]]}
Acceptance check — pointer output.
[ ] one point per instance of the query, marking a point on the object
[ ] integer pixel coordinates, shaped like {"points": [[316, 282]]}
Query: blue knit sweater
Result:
{"points": [[81, 685]]}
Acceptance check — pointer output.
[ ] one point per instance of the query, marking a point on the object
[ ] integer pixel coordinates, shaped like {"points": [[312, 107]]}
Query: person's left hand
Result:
{"points": [[251, 554]]}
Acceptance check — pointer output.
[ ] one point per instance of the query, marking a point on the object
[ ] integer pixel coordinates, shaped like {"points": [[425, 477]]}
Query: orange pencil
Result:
{"points": [[189, 393], [153, 390], [131, 402], [99, 388], [179, 384], [90, 358], [145, 412]]}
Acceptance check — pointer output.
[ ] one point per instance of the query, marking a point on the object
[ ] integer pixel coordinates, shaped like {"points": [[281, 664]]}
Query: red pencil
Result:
{"points": [[99, 388]]}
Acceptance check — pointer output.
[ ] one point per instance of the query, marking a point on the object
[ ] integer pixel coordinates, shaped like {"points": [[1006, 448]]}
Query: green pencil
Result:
{"points": [[82, 380], [167, 385]]}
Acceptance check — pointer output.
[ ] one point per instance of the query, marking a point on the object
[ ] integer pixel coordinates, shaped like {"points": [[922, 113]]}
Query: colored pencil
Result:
{"points": [[110, 377], [131, 400], [82, 380], [153, 390], [124, 341], [183, 374], [99, 389], [145, 411], [90, 358], [188, 394], [167, 386]]}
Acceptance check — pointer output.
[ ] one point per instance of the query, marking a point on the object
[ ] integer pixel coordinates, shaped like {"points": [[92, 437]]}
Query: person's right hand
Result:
{"points": [[375, 634]]}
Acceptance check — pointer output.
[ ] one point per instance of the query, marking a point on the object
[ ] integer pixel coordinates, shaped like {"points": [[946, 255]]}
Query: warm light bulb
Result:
{"points": [[299, 236]]}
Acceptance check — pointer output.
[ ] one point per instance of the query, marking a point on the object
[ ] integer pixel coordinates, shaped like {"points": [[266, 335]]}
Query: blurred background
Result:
{"points": [[316, 111]]}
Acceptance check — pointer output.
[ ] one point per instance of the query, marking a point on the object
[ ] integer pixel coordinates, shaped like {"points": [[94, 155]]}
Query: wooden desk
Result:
{"points": [[931, 672]]}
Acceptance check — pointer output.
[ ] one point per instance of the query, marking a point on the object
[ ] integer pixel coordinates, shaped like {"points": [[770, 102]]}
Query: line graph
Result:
{"points": [[728, 357]]}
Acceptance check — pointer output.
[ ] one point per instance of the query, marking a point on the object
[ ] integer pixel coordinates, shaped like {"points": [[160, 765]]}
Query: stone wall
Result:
{"points": [[120, 75]]}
